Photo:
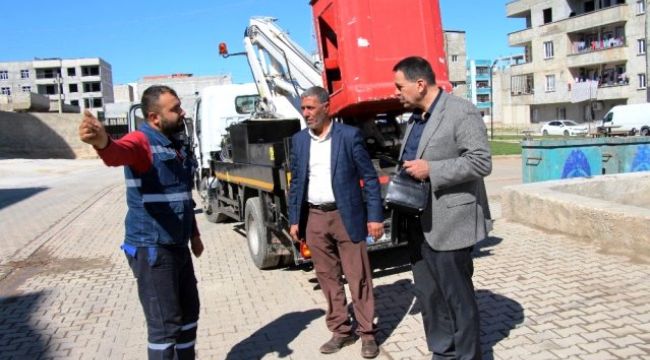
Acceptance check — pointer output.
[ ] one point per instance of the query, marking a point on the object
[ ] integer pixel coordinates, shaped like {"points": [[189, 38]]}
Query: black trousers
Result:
{"points": [[444, 289], [169, 298]]}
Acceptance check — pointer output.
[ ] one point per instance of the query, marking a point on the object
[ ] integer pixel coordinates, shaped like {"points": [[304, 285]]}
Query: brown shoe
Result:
{"points": [[336, 343], [369, 349]]}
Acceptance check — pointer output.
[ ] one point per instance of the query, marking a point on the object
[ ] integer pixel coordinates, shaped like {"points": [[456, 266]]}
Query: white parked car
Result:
{"points": [[564, 127]]}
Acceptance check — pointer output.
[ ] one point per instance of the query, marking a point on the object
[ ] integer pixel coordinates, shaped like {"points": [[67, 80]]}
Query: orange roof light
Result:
{"points": [[223, 49]]}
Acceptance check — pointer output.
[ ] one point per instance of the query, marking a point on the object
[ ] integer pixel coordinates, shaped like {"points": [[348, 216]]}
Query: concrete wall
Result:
{"points": [[616, 222], [42, 136]]}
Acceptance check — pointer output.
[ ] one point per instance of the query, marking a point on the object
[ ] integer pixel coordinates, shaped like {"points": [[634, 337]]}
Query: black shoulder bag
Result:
{"points": [[405, 193]]}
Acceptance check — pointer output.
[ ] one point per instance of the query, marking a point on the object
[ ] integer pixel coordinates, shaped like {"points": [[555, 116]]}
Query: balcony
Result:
{"points": [[521, 37], [610, 15], [579, 45], [618, 91], [519, 8], [520, 69], [593, 57]]}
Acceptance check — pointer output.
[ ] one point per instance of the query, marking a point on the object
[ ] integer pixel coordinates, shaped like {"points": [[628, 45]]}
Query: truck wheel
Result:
{"points": [[645, 131], [258, 236], [211, 203]]}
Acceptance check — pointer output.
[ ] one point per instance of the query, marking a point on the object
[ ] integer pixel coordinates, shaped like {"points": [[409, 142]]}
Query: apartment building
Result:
{"points": [[456, 50], [479, 85], [581, 57], [83, 82]]}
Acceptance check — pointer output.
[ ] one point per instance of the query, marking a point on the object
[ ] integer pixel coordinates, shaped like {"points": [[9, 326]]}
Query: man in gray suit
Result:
{"points": [[446, 145]]}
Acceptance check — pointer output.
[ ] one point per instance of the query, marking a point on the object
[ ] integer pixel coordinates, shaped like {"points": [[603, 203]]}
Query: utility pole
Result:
{"points": [[58, 90]]}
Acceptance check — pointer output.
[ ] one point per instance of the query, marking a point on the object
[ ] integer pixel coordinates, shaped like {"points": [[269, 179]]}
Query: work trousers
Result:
{"points": [[169, 298], [333, 252], [444, 289]]}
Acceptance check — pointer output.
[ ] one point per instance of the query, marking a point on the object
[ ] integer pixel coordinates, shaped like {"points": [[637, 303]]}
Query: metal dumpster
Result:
{"points": [[560, 159], [629, 154]]}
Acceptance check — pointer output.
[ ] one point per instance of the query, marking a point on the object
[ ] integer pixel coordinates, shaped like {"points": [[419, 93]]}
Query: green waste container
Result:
{"points": [[560, 159], [626, 154]]}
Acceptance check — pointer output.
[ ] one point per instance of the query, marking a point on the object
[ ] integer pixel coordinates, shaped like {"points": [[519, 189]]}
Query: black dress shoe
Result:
{"points": [[336, 343], [369, 349]]}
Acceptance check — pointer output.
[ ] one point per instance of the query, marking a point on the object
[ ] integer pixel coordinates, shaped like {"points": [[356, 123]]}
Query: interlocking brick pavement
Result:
{"points": [[541, 296]]}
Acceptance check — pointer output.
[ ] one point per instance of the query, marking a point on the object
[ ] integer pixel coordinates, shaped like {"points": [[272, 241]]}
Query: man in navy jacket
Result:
{"points": [[326, 206]]}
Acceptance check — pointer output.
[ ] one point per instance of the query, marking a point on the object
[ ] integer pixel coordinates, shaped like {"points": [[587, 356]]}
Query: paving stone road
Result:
{"points": [[67, 292]]}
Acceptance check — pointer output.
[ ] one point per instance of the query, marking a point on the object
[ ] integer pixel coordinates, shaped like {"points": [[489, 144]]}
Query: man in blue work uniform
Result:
{"points": [[160, 219]]}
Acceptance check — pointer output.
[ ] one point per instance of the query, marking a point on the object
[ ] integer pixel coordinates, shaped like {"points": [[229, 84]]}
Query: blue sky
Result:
{"points": [[143, 38]]}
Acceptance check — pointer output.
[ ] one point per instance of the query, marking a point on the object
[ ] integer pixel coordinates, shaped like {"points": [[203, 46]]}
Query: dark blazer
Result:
{"points": [[350, 164], [454, 143]]}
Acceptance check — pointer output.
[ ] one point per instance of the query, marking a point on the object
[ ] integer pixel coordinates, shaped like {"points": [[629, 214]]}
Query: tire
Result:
{"points": [[566, 133], [258, 236], [545, 133], [645, 131], [211, 202]]}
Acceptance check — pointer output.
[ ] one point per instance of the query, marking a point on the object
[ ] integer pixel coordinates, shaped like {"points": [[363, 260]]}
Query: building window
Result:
{"points": [[92, 87], [5, 91], [4, 75], [640, 46], [74, 102], [454, 58], [642, 84], [24, 74], [26, 88], [89, 70], [640, 7], [49, 89], [548, 15], [73, 88], [548, 50], [550, 83], [72, 72], [522, 84], [93, 103]]}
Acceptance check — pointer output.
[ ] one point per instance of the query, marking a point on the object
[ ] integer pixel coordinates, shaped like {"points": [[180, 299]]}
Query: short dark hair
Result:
{"points": [[150, 97], [414, 68], [318, 92]]}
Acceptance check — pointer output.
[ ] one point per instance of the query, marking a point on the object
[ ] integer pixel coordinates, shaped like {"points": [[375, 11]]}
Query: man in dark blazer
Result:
{"points": [[445, 144], [326, 206]]}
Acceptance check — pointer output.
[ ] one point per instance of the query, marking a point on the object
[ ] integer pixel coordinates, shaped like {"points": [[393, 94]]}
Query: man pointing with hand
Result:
{"points": [[160, 220]]}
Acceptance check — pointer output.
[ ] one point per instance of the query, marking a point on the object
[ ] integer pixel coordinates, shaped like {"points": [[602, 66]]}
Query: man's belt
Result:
{"points": [[331, 206]]}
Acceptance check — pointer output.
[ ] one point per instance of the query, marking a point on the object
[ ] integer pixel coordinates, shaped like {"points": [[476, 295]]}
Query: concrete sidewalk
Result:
{"points": [[541, 296]]}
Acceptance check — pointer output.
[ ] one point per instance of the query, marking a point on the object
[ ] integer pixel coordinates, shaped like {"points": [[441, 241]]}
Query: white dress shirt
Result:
{"points": [[320, 190]]}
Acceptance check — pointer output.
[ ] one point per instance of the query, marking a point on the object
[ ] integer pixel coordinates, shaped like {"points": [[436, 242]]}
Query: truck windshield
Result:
{"points": [[608, 117]]}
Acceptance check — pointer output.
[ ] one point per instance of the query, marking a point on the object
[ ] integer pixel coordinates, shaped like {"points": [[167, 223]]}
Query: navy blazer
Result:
{"points": [[350, 164]]}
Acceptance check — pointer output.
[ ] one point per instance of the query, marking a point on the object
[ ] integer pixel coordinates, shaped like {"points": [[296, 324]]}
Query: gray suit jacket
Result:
{"points": [[454, 142]]}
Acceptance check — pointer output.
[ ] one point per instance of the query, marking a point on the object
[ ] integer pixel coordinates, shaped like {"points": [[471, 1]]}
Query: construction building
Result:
{"points": [[85, 83]]}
